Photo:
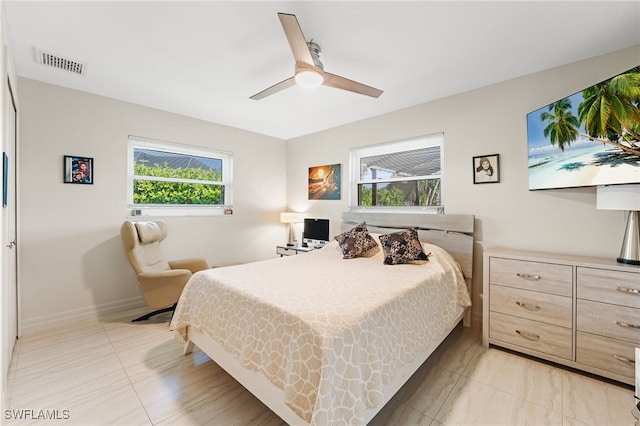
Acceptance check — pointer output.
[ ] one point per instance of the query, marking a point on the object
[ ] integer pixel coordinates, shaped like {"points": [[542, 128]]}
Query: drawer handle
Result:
{"points": [[528, 306], [528, 276], [624, 359], [627, 325], [628, 290], [528, 336]]}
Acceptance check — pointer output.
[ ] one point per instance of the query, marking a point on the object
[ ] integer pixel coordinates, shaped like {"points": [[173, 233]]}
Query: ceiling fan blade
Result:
{"points": [[296, 40], [274, 89], [338, 82]]}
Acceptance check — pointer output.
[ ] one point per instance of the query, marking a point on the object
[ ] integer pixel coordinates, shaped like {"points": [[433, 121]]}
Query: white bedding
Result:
{"points": [[329, 332]]}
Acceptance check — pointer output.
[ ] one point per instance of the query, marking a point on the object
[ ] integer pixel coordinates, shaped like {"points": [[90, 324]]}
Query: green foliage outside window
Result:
{"points": [[409, 193], [168, 192]]}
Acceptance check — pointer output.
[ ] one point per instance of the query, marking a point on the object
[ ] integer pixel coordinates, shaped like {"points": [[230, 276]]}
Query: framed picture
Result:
{"points": [[78, 170], [5, 178], [324, 182], [486, 169]]}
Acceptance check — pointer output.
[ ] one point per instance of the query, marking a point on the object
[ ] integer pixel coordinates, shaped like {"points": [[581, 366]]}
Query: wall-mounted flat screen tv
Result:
{"points": [[589, 138]]}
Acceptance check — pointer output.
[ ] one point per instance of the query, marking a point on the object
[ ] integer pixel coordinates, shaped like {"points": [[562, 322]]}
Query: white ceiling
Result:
{"points": [[204, 59]]}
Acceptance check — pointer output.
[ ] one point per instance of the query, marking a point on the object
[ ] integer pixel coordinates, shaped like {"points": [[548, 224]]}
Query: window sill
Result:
{"points": [[136, 211], [399, 209]]}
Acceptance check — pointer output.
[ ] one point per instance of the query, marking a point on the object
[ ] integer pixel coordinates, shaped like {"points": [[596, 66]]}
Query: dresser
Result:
{"points": [[581, 312]]}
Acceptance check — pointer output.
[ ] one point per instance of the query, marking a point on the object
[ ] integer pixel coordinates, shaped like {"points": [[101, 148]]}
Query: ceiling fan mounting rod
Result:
{"points": [[314, 49]]}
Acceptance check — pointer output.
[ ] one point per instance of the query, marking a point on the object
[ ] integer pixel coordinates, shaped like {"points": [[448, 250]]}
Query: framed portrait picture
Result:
{"points": [[78, 170], [486, 169], [324, 182]]}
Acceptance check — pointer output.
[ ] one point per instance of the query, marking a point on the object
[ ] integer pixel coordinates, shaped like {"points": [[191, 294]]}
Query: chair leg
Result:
{"points": [[159, 311], [173, 311]]}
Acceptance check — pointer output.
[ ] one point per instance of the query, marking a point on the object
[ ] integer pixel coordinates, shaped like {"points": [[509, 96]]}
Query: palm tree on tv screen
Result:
{"points": [[609, 111], [563, 125]]}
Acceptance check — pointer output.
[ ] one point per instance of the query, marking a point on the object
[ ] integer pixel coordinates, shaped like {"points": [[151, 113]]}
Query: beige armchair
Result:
{"points": [[161, 282]]}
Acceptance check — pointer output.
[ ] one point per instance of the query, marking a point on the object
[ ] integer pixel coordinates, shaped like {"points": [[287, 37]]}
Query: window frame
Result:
{"points": [[179, 209], [420, 142]]}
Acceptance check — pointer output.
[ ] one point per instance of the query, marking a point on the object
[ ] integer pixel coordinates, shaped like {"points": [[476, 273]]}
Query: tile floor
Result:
{"points": [[113, 372]]}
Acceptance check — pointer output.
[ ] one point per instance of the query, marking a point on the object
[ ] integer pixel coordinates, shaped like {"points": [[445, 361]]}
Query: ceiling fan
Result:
{"points": [[309, 71]]}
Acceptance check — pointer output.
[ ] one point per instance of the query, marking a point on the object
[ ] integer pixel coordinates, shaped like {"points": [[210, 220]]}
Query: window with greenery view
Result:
{"points": [[172, 175], [398, 174]]}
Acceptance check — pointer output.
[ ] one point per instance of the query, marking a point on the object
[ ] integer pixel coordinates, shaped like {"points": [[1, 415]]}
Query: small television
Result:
{"points": [[576, 141], [316, 232]]}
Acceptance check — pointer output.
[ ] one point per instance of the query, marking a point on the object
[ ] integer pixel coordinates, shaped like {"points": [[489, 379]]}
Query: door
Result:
{"points": [[9, 267]]}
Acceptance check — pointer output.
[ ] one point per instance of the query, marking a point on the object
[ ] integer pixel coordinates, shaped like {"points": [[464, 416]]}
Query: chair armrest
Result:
{"points": [[194, 265], [161, 289], [169, 274]]}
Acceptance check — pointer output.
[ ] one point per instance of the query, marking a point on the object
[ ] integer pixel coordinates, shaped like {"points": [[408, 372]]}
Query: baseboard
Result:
{"points": [[47, 322], [476, 319]]}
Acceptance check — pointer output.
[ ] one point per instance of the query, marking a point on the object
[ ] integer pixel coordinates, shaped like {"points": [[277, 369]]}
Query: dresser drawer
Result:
{"points": [[546, 338], [609, 320], [605, 353], [543, 307], [616, 287], [535, 276]]}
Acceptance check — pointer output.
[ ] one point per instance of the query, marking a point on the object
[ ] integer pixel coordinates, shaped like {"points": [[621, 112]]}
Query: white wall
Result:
{"points": [[71, 257], [491, 120]]}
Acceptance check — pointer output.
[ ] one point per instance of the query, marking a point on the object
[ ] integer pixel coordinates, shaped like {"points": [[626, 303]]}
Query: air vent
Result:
{"points": [[60, 62]]}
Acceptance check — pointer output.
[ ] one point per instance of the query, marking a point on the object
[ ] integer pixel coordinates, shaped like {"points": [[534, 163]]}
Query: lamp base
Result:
{"points": [[628, 261], [291, 240], [630, 252]]}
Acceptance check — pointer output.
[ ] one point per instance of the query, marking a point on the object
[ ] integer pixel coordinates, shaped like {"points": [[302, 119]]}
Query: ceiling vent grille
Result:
{"points": [[61, 63]]}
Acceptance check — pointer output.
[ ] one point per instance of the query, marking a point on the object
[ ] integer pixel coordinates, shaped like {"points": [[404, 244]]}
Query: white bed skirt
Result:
{"points": [[273, 397]]}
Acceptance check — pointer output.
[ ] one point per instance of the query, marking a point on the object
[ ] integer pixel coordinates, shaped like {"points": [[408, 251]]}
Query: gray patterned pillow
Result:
{"points": [[356, 242], [402, 247]]}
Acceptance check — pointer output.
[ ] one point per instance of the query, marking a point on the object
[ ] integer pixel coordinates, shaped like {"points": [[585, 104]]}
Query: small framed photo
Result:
{"points": [[486, 169], [78, 170]]}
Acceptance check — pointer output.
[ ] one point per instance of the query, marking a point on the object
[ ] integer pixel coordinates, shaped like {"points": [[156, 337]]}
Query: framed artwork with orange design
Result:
{"points": [[324, 182]]}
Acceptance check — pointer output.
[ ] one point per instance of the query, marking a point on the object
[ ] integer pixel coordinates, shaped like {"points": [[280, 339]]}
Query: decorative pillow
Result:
{"points": [[356, 242], [402, 247]]}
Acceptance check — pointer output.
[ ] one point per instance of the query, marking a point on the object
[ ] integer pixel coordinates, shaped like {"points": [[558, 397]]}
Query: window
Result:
{"points": [[165, 175], [398, 174]]}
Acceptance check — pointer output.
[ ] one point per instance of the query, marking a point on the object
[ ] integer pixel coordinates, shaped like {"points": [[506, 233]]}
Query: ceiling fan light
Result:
{"points": [[309, 78]]}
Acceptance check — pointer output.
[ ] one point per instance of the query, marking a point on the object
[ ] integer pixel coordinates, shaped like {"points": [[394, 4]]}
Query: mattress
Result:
{"points": [[329, 332]]}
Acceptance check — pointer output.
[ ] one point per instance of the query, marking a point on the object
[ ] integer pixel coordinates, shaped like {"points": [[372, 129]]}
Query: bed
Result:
{"points": [[324, 340]]}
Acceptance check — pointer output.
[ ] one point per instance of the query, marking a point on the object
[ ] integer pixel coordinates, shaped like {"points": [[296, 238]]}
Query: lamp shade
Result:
{"points": [[618, 197], [291, 217], [624, 197]]}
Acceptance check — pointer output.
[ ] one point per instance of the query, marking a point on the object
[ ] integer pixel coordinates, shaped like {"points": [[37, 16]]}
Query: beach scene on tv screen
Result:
{"points": [[589, 138]]}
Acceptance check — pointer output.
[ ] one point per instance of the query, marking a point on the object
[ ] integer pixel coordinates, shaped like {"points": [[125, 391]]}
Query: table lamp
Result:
{"points": [[624, 197], [290, 218]]}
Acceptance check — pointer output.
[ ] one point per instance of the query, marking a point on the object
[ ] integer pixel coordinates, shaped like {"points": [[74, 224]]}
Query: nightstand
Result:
{"points": [[292, 250]]}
